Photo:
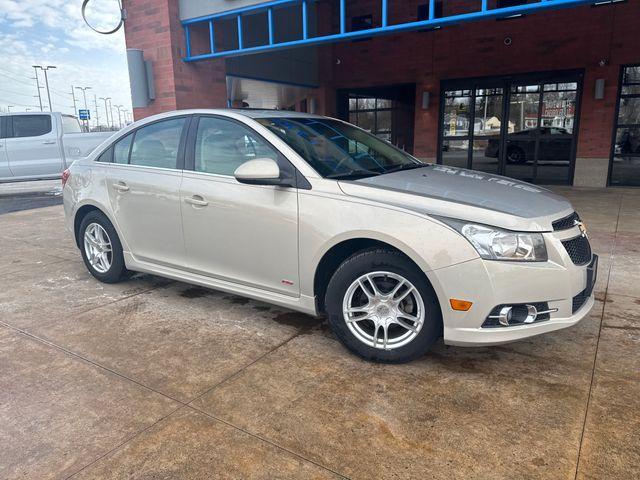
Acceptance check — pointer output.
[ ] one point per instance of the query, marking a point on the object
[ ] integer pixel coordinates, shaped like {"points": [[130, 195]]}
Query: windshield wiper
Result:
{"points": [[405, 166], [352, 174]]}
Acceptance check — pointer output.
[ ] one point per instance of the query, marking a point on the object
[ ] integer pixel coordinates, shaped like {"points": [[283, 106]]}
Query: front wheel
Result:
{"points": [[382, 307]]}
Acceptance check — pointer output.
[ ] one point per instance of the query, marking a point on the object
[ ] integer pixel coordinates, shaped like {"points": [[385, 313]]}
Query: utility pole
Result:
{"points": [[84, 94], [95, 102], [106, 111], [46, 80], [73, 95], [35, 69]]}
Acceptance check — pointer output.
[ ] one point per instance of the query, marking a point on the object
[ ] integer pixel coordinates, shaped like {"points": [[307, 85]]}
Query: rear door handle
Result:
{"points": [[121, 187], [197, 200], [49, 142]]}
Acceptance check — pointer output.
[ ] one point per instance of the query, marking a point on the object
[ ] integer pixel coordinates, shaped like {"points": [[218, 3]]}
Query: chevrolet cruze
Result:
{"points": [[319, 216]]}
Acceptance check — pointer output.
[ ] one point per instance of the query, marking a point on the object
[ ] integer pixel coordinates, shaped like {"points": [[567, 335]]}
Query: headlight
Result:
{"points": [[494, 243]]}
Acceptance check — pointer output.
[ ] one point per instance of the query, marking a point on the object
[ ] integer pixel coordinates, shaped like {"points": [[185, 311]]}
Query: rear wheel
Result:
{"points": [[516, 155], [101, 248], [382, 307]]}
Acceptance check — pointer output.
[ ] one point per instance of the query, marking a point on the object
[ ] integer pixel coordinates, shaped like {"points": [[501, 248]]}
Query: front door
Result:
{"points": [[246, 234], [32, 146], [522, 126], [144, 190]]}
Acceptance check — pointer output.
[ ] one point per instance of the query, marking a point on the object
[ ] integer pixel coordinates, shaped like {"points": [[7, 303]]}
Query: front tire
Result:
{"points": [[382, 307], [101, 248]]}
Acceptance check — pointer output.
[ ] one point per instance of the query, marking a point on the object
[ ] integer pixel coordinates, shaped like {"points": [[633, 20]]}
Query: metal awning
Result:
{"points": [[268, 10]]}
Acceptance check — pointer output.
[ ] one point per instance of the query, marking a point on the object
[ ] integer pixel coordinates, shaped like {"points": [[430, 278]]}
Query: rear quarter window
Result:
{"points": [[70, 124]]}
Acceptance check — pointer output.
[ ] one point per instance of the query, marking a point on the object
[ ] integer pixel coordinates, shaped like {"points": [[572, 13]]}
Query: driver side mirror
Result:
{"points": [[260, 171]]}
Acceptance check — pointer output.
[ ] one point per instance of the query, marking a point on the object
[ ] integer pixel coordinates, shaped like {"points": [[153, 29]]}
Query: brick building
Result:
{"points": [[522, 88]]}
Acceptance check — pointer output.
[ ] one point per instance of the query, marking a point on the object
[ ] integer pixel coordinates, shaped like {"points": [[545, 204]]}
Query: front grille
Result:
{"points": [[578, 249], [567, 222], [579, 299]]}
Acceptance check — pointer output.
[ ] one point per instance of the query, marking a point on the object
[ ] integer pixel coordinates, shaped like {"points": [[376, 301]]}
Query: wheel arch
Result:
{"points": [[337, 253], [82, 211]]}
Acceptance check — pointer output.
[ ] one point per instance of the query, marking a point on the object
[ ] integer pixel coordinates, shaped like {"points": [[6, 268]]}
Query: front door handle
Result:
{"points": [[49, 142], [121, 187], [197, 200]]}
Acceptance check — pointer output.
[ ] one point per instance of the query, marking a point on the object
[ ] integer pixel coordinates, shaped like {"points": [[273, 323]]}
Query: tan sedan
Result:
{"points": [[316, 215]]}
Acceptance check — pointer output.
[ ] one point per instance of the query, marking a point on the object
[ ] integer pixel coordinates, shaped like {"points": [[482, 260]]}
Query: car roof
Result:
{"points": [[245, 112]]}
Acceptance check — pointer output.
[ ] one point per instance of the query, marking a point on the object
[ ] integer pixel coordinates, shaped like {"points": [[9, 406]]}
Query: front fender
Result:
{"points": [[429, 243]]}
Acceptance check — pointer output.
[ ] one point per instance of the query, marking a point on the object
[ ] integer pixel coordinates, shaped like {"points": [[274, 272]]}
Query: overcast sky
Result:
{"points": [[52, 32]]}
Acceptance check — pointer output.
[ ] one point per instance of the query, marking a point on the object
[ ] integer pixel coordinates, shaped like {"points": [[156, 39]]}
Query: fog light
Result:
{"points": [[505, 316], [518, 314]]}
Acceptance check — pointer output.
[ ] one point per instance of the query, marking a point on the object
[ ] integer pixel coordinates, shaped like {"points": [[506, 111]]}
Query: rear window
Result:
{"points": [[31, 125], [70, 124]]}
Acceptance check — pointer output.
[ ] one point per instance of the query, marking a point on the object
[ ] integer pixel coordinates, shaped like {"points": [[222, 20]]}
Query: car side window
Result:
{"points": [[106, 156], [223, 145], [121, 149], [31, 125], [156, 145]]}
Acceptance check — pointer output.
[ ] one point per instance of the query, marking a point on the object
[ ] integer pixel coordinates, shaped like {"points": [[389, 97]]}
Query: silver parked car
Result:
{"points": [[317, 215]]}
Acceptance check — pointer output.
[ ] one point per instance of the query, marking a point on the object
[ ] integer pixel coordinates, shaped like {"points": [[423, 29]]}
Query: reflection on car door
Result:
{"points": [[144, 186], [32, 146], [235, 232]]}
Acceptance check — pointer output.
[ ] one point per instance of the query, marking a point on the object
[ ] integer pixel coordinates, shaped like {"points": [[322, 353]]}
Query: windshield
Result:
{"points": [[338, 150]]}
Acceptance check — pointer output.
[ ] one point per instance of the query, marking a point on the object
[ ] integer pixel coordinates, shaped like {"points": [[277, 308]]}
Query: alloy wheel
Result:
{"points": [[383, 310], [97, 247]]}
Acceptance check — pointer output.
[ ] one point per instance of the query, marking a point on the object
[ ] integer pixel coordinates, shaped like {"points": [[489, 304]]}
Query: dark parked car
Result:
{"points": [[555, 145]]}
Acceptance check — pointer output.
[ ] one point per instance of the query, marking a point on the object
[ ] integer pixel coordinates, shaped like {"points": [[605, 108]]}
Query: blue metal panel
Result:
{"points": [[304, 20], [270, 20], [483, 13]]}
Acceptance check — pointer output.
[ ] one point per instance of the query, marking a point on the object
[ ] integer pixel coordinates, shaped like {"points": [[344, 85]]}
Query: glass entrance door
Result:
{"points": [[518, 127]]}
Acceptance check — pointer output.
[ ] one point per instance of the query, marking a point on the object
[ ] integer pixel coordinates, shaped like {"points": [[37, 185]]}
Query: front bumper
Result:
{"points": [[489, 283]]}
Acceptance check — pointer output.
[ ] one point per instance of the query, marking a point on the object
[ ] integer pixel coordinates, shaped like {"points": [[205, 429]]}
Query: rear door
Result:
{"points": [[32, 146], [144, 190], [5, 173]]}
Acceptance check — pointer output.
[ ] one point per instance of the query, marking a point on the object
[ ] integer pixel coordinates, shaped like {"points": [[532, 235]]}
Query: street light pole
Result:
{"points": [[35, 69], [119, 116], [46, 80], [113, 124], [84, 94], [106, 111]]}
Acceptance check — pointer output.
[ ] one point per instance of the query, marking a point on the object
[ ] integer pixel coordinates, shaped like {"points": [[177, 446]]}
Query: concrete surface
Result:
{"points": [[158, 379]]}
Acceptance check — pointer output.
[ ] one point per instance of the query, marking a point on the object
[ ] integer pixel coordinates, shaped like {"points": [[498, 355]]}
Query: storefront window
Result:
{"points": [[371, 114], [523, 129], [625, 158]]}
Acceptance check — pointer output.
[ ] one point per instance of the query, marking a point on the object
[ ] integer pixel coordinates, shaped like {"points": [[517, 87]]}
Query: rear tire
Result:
{"points": [[516, 155], [101, 248], [382, 307]]}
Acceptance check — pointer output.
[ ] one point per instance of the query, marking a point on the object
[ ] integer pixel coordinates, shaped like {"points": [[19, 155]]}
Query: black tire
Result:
{"points": [[395, 262], [516, 155], [117, 271]]}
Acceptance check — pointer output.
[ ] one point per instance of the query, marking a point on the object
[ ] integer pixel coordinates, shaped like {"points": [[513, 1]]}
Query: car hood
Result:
{"points": [[467, 195]]}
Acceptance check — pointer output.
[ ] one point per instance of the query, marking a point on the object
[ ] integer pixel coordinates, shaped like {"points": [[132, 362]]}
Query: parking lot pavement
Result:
{"points": [[27, 195], [158, 379]]}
